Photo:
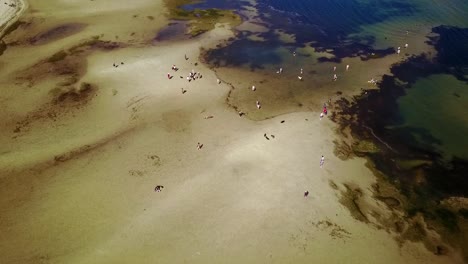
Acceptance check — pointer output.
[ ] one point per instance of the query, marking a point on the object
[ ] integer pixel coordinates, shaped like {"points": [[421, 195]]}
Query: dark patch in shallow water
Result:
{"points": [[376, 117], [56, 33], [452, 49], [173, 31], [3, 47], [217, 4], [243, 52], [12, 28], [80, 94]]}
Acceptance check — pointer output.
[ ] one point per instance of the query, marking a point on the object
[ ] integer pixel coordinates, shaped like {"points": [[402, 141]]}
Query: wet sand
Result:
{"points": [[85, 143]]}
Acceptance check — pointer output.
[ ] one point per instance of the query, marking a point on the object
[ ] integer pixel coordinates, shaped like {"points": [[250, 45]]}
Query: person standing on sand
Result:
{"points": [[258, 105], [347, 67], [321, 116], [306, 193], [322, 161]]}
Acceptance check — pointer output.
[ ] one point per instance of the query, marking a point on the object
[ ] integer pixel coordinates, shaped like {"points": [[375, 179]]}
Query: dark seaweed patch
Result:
{"points": [[56, 33], [12, 28], [243, 52], [57, 56], [3, 47], [463, 212], [376, 117], [82, 93], [329, 25], [173, 31]]}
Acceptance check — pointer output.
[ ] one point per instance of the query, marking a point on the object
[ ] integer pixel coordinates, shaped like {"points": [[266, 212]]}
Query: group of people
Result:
{"points": [[196, 75], [335, 76], [116, 65], [399, 49], [10, 5], [192, 76]]}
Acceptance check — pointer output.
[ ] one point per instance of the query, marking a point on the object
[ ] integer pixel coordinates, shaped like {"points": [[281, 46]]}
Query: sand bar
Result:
{"points": [[77, 177]]}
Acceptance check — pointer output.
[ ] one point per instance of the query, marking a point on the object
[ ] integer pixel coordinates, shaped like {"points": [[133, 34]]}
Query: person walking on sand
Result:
{"points": [[347, 67], [302, 71], [335, 77], [306, 193], [334, 68], [258, 105], [322, 161], [321, 116], [199, 146], [253, 88]]}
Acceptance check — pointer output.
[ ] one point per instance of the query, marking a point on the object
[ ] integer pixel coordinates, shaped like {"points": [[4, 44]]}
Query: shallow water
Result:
{"points": [[423, 117], [319, 35], [90, 198], [438, 104]]}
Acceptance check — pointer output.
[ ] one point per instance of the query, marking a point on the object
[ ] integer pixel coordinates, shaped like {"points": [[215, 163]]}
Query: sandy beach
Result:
{"points": [[84, 143], [10, 11]]}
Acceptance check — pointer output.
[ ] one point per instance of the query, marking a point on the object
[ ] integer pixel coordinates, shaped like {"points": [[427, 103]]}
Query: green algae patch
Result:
{"points": [[365, 146], [201, 20]]}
